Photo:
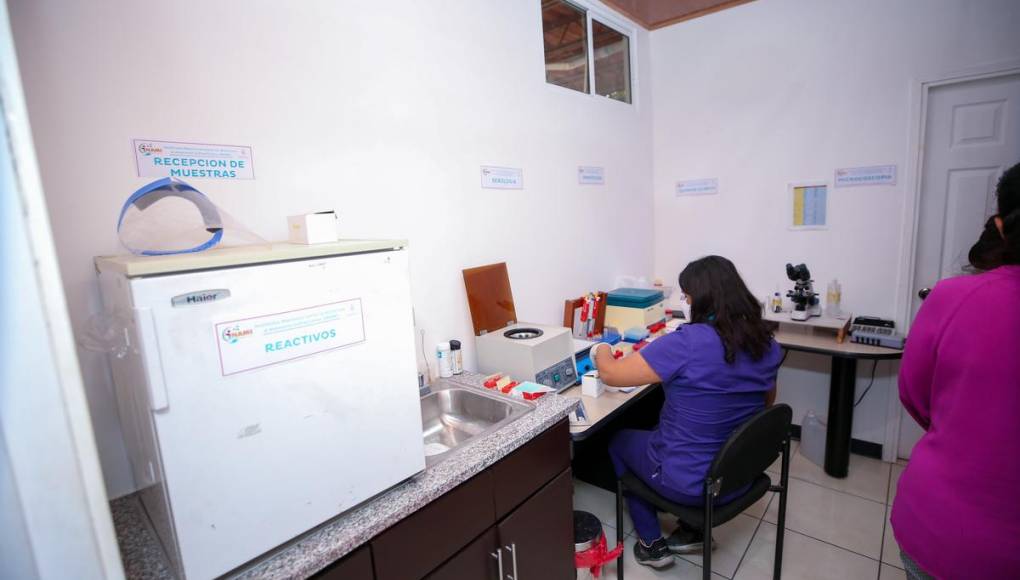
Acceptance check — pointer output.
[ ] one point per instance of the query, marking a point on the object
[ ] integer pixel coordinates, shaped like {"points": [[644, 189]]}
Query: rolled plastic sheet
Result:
{"points": [[169, 216]]}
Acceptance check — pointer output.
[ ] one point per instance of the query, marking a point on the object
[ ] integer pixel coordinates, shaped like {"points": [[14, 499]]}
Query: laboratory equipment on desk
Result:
{"points": [[456, 357], [260, 383], [803, 295], [812, 438], [776, 304], [582, 348], [443, 360], [581, 359], [876, 332], [833, 299], [630, 307], [585, 316], [529, 352]]}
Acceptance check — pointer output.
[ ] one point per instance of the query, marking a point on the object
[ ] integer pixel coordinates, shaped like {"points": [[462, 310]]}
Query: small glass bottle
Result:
{"points": [[456, 357]]}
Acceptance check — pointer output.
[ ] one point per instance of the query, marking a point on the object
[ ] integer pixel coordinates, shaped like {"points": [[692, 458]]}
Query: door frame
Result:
{"points": [[919, 90], [73, 517]]}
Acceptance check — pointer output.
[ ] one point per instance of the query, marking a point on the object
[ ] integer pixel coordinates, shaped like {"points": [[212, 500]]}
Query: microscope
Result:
{"points": [[803, 295]]}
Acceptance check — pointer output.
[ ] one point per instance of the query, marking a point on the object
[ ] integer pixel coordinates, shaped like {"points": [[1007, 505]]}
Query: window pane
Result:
{"points": [[612, 62], [566, 45]]}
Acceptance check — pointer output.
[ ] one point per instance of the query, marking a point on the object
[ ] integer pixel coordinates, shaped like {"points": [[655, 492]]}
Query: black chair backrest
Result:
{"points": [[752, 448]]}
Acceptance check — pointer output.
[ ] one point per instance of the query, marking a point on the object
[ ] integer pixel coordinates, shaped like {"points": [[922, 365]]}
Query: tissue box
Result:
{"points": [[312, 228]]}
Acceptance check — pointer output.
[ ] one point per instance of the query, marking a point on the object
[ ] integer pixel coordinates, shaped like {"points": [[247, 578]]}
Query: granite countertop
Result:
{"points": [[143, 555]]}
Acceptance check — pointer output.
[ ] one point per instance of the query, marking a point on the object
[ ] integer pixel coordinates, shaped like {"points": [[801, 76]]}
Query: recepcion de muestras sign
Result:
{"points": [[192, 160]]}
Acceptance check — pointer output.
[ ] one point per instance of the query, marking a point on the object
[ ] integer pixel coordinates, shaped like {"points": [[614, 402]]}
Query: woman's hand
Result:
{"points": [[629, 371]]}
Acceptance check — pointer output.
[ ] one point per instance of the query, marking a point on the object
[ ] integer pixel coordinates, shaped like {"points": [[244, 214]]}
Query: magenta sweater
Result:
{"points": [[957, 508]]}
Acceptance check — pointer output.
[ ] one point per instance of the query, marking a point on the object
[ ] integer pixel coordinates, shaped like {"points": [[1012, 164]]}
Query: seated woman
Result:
{"points": [[716, 372]]}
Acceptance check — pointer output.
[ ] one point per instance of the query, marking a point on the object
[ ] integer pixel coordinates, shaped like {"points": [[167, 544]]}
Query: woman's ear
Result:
{"points": [[999, 225]]}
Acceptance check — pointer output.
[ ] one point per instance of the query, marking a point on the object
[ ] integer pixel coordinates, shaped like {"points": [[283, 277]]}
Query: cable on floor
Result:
{"points": [[871, 382]]}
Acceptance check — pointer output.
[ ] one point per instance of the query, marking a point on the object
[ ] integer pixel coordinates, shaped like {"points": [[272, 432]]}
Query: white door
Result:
{"points": [[284, 404], [972, 135]]}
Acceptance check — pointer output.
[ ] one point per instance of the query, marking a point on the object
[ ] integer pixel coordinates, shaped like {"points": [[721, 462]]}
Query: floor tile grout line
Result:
{"points": [[748, 547], [844, 548], [816, 484], [885, 525], [756, 526]]}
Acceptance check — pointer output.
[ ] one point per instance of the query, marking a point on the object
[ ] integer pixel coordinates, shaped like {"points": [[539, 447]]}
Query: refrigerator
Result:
{"points": [[263, 390]]}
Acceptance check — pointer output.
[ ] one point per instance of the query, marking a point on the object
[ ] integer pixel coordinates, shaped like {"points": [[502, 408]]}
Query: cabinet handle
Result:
{"points": [[498, 555], [512, 548]]}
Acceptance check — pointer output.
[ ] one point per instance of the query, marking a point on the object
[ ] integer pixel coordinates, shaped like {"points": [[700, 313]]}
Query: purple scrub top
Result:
{"points": [[706, 400]]}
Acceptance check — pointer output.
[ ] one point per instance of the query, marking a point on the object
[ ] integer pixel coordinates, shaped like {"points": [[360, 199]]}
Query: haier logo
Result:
{"points": [[233, 334], [202, 297]]}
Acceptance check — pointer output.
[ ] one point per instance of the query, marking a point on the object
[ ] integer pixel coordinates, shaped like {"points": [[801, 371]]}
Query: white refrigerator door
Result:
{"points": [[282, 405]]}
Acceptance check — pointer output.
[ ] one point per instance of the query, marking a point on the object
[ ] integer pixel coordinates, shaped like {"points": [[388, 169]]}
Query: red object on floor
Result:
{"points": [[597, 556], [640, 345], [656, 327]]}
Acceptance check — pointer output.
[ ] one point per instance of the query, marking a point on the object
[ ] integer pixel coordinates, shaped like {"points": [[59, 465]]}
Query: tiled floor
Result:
{"points": [[835, 528]]}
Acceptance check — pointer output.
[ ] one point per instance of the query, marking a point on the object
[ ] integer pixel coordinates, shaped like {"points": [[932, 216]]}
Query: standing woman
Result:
{"points": [[716, 372], [957, 508]]}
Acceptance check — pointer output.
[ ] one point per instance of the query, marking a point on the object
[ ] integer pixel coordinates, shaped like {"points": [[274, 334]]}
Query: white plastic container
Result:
{"points": [[312, 228], [445, 360], [812, 438], [591, 385]]}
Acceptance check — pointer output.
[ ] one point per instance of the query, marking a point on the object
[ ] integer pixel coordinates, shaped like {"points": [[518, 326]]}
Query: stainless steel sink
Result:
{"points": [[453, 416]]}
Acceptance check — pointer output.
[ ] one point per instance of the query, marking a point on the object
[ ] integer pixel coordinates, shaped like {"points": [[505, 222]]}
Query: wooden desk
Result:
{"points": [[602, 409], [842, 382]]}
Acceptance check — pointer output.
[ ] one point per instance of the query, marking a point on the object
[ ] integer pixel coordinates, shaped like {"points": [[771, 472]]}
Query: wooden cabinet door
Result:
{"points": [[354, 566], [541, 532], [425, 539], [478, 561], [527, 469]]}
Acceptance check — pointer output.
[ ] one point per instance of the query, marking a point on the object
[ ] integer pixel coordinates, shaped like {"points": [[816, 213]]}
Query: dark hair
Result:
{"points": [[994, 249], [720, 297]]}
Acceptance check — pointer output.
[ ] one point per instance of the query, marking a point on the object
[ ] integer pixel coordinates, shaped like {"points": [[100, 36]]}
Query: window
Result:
{"points": [[566, 28], [612, 62]]}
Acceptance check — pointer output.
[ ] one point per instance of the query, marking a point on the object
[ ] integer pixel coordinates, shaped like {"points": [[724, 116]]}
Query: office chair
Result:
{"points": [[743, 459]]}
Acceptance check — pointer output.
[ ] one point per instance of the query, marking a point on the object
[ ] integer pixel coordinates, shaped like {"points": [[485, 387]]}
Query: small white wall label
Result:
{"points": [[689, 187], [591, 175], [502, 177], [873, 175]]}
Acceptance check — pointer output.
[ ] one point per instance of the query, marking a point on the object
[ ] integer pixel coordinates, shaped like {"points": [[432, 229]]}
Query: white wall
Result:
{"points": [[383, 110], [776, 91]]}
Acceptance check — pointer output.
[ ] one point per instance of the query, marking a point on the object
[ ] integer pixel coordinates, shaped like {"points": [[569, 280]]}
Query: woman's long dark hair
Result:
{"points": [[992, 248], [720, 297]]}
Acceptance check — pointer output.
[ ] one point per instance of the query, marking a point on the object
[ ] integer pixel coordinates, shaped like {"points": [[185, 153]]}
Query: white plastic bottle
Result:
{"points": [[812, 438], [445, 362]]}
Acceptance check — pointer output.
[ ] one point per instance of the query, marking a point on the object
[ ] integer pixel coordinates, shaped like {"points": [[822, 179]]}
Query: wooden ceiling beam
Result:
{"points": [[654, 14]]}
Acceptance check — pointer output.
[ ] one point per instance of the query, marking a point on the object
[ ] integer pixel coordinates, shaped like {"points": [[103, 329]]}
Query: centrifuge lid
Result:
{"points": [[489, 297]]}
